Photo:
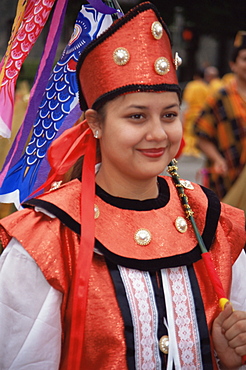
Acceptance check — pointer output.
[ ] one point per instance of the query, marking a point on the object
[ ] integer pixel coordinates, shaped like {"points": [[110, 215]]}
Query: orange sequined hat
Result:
{"points": [[133, 55]]}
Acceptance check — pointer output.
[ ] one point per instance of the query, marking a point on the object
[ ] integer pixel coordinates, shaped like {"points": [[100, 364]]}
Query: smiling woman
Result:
{"points": [[111, 264], [139, 135]]}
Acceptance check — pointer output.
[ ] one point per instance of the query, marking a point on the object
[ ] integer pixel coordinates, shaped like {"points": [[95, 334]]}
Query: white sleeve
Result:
{"points": [[30, 323], [238, 286], [238, 291]]}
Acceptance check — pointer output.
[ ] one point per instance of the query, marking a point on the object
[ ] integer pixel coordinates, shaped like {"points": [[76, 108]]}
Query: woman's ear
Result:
{"points": [[94, 122]]}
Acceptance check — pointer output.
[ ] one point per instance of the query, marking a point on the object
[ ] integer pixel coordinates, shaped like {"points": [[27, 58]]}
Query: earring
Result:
{"points": [[96, 134]]}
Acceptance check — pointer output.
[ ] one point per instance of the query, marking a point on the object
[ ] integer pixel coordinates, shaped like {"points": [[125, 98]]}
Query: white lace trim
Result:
{"points": [[141, 300], [185, 329]]}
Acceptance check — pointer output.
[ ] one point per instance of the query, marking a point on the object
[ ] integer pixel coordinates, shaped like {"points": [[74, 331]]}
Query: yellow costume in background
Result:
{"points": [[194, 97], [215, 85]]}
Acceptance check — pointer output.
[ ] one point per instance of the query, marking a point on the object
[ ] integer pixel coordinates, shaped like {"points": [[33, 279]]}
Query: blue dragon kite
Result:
{"points": [[59, 110]]}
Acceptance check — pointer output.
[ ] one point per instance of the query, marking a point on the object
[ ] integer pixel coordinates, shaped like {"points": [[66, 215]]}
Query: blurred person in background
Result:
{"points": [[221, 126], [211, 76], [194, 96]]}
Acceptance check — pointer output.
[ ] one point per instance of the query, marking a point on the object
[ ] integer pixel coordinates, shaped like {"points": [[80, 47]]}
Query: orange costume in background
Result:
{"points": [[58, 241], [223, 123]]}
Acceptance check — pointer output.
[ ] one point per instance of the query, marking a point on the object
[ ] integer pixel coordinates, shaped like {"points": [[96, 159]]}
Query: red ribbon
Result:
{"points": [[65, 151], [82, 274], [213, 275], [62, 155]]}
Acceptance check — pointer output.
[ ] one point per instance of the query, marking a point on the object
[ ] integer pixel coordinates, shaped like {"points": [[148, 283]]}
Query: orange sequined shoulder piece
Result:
{"points": [[151, 234]]}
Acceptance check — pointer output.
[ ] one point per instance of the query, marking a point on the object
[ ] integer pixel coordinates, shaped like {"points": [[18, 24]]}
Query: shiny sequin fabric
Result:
{"points": [[54, 246], [133, 55]]}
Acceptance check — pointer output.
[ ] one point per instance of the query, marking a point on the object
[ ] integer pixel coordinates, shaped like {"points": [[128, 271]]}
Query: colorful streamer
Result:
{"points": [[32, 18], [59, 100]]}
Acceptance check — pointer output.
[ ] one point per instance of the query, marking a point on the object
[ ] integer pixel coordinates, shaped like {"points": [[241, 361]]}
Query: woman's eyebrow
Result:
{"points": [[136, 106]]}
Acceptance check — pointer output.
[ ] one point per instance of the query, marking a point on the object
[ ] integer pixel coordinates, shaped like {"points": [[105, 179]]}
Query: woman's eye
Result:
{"points": [[136, 116], [170, 115]]}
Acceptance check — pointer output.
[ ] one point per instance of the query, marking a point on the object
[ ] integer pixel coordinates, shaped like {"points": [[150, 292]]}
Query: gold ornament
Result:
{"points": [[181, 224], [162, 66], [121, 56], [164, 344], [142, 237], [157, 30]]}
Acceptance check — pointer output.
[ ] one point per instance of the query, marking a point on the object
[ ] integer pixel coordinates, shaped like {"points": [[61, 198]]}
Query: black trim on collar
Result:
{"points": [[138, 205], [153, 264], [212, 218], [56, 211]]}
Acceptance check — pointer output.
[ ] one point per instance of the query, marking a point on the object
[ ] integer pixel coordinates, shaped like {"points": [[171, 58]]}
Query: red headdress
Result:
{"points": [[133, 55]]}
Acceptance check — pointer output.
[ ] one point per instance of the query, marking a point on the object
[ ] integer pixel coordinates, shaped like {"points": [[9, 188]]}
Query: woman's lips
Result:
{"points": [[152, 153]]}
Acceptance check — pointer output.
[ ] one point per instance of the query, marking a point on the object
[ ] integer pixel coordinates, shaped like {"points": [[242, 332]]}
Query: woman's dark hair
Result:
{"points": [[235, 53], [76, 171]]}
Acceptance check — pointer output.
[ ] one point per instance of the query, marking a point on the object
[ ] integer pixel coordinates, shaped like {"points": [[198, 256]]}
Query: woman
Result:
{"points": [[132, 292], [221, 126]]}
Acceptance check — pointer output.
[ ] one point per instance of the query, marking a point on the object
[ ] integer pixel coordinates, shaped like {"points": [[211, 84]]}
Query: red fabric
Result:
{"points": [[99, 74], [82, 274], [59, 247], [213, 275], [70, 146]]}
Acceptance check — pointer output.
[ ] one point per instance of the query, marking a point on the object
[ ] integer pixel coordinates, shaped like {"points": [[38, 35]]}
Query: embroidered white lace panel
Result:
{"points": [[141, 300], [182, 321]]}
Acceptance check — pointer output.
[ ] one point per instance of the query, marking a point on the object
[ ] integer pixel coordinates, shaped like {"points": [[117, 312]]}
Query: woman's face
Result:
{"points": [[239, 66], [140, 134]]}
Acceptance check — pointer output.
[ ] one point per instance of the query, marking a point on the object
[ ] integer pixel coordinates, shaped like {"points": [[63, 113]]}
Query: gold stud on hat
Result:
{"points": [[157, 30], [177, 60], [162, 66], [121, 56]]}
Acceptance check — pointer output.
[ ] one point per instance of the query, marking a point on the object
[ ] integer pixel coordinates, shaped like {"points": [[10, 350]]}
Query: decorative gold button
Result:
{"points": [[181, 224], [177, 60], [157, 30], [96, 211], [164, 344], [187, 184], [142, 237], [55, 185], [121, 56], [162, 66]]}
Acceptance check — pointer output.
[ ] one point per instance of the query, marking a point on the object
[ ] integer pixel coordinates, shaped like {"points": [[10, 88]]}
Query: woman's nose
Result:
{"points": [[156, 130]]}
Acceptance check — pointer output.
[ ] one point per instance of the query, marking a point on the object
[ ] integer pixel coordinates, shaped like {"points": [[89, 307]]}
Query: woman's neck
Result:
{"points": [[130, 189], [241, 87]]}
